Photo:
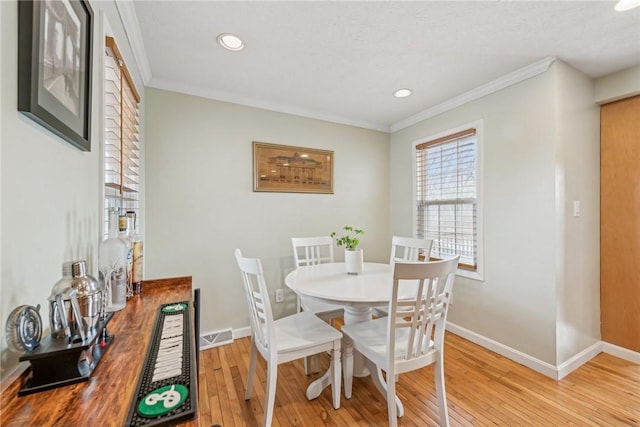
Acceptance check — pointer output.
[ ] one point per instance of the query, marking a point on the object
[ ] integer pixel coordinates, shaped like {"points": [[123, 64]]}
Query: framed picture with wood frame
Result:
{"points": [[283, 168], [54, 67]]}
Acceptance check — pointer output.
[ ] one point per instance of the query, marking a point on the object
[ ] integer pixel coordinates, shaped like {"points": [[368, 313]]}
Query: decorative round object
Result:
{"points": [[174, 308], [162, 400], [24, 328]]}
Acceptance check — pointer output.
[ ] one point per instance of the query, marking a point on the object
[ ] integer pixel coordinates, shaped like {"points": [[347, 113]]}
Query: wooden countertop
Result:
{"points": [[105, 398]]}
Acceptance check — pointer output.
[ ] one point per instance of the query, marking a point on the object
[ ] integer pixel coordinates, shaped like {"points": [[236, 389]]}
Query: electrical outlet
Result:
{"points": [[279, 295]]}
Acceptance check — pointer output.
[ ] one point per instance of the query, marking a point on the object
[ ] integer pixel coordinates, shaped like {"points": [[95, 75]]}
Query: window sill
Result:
{"points": [[473, 275]]}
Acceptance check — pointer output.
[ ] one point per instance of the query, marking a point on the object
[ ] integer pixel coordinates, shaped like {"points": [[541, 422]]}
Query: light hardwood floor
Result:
{"points": [[482, 387]]}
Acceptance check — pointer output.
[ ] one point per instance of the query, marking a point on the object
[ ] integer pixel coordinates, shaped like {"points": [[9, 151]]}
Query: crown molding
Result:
{"points": [[507, 80], [175, 86], [132, 29]]}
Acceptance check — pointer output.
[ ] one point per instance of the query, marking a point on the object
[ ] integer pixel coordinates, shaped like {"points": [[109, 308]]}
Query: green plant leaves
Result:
{"points": [[349, 239]]}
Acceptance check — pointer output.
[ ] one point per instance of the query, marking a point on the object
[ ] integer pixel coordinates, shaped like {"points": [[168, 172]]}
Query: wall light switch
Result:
{"points": [[279, 295], [576, 208]]}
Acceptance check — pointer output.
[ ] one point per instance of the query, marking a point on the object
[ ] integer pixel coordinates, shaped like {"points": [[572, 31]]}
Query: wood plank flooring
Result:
{"points": [[483, 389]]}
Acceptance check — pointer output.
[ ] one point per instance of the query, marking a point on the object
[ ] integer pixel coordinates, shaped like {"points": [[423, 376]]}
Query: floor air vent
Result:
{"points": [[214, 339]]}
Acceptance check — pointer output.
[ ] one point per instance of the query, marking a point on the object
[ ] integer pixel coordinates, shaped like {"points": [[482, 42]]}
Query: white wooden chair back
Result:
{"points": [[420, 320], [312, 250], [298, 335], [409, 249], [260, 313]]}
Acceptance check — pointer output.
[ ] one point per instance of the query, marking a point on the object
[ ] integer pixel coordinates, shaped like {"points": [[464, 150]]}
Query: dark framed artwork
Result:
{"points": [[283, 168], [54, 67]]}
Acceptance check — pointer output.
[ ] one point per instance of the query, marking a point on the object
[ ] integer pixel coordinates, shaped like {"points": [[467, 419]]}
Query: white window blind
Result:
{"points": [[121, 135], [446, 196]]}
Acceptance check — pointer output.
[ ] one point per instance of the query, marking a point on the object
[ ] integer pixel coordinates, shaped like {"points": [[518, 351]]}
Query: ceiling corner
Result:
{"points": [[130, 22], [512, 78]]}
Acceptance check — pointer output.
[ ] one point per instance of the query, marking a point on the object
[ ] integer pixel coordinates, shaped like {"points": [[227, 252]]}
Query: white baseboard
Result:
{"points": [[621, 352], [510, 353], [579, 359], [555, 372], [242, 332]]}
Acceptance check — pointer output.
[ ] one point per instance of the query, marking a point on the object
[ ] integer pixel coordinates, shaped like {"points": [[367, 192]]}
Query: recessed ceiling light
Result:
{"points": [[402, 93], [230, 42], [623, 5]]}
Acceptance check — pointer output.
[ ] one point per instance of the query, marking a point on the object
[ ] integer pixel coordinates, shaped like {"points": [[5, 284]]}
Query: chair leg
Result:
{"points": [[376, 376], [253, 356], [381, 385], [440, 390], [347, 366], [336, 374], [272, 377], [307, 360], [391, 401]]}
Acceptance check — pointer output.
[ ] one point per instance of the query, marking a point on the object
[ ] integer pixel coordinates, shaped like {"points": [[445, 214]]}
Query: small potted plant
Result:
{"points": [[353, 256]]}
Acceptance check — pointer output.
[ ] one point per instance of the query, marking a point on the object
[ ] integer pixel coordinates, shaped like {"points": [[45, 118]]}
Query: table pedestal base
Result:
{"points": [[351, 315], [316, 387]]}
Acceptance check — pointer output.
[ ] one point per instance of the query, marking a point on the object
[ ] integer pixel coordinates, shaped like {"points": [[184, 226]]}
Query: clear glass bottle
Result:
{"points": [[112, 262], [137, 252], [125, 235]]}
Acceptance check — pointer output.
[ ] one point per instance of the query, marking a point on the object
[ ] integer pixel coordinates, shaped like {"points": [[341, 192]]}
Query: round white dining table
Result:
{"points": [[358, 293]]}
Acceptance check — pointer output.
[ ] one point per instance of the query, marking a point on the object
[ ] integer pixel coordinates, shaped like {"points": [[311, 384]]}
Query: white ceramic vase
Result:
{"points": [[354, 261]]}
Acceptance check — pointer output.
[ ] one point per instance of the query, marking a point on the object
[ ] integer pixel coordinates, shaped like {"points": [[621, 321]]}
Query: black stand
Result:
{"points": [[56, 363]]}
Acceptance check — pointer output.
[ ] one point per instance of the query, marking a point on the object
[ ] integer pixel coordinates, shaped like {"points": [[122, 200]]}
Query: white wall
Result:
{"points": [[51, 191], [577, 120], [201, 205], [516, 303]]}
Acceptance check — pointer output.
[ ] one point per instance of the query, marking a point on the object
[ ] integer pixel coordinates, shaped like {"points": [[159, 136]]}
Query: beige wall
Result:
{"points": [[577, 148], [51, 191], [515, 305], [537, 296], [618, 85], [201, 204]]}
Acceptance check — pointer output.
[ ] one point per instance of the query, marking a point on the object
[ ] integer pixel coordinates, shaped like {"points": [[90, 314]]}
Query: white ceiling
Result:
{"points": [[341, 61]]}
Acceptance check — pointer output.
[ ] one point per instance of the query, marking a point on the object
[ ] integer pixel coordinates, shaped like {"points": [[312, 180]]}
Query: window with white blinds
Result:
{"points": [[447, 196], [121, 135]]}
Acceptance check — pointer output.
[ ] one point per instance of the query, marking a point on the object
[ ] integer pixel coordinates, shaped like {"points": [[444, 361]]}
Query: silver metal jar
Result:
{"points": [[80, 295]]}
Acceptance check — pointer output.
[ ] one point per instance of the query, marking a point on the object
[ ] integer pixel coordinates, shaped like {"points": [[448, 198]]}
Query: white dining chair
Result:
{"points": [[313, 251], [283, 340], [410, 249], [406, 249], [410, 337]]}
